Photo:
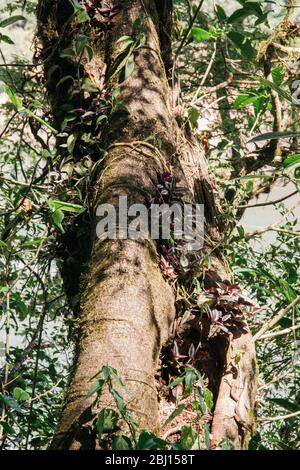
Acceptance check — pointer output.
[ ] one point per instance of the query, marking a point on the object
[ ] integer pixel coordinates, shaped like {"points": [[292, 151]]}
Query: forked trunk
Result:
{"points": [[126, 308]]}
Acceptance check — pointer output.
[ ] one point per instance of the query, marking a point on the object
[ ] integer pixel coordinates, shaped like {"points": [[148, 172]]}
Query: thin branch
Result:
{"points": [[204, 78], [268, 203], [21, 65], [171, 431], [275, 379], [288, 49], [279, 418], [275, 227], [211, 90], [189, 29], [280, 333], [271, 228], [7, 125], [269, 324], [44, 394], [22, 183]]}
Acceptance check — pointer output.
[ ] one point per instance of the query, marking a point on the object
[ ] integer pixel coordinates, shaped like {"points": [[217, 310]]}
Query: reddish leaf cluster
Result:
{"points": [[174, 258], [229, 310], [107, 13]]}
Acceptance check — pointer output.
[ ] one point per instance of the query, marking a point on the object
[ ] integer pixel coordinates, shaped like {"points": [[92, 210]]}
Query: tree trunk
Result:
{"points": [[126, 308]]}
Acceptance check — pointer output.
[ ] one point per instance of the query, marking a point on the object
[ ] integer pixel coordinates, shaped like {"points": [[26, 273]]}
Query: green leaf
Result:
{"points": [[274, 136], [243, 100], [81, 43], [115, 375], [129, 67], [193, 115], [96, 388], [101, 118], [106, 372], [115, 94], [21, 306], [4, 38], [175, 382], [278, 75], [288, 405], [7, 428], [190, 379], [202, 405], [71, 141], [11, 403], [249, 8], [76, 5], [149, 441], [188, 437], [64, 79], [124, 42], [57, 217], [242, 44], [82, 16], [124, 39], [121, 443], [65, 206], [118, 400], [206, 435], [20, 395], [67, 53], [239, 15], [11, 20], [87, 85], [120, 107], [17, 102], [208, 398], [292, 160], [199, 34], [40, 120], [90, 52], [273, 86], [106, 421], [221, 12], [175, 413]]}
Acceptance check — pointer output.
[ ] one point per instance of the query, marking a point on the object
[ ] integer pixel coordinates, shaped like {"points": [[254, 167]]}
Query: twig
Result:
{"points": [[188, 29], [21, 65], [171, 431], [268, 203], [22, 183], [45, 393], [271, 228], [213, 89], [195, 98], [208, 68], [288, 49], [275, 379], [280, 333], [269, 324], [278, 418], [7, 125], [274, 227]]}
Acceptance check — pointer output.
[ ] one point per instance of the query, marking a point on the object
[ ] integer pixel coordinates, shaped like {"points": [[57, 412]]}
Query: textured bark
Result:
{"points": [[234, 418], [126, 308]]}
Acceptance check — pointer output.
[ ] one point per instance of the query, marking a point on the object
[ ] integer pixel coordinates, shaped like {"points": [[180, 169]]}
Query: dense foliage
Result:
{"points": [[235, 71]]}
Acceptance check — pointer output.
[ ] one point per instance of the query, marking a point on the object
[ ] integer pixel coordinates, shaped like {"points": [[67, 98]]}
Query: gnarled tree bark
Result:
{"points": [[126, 308]]}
